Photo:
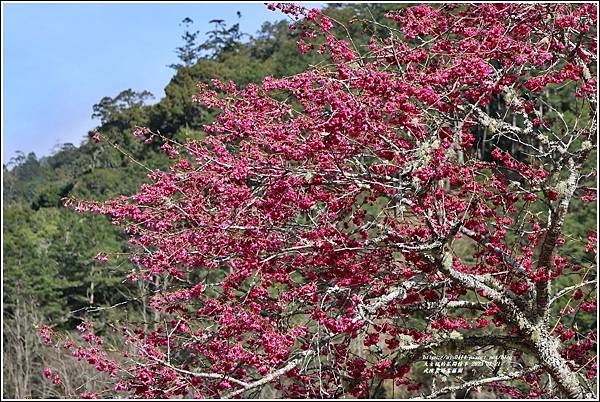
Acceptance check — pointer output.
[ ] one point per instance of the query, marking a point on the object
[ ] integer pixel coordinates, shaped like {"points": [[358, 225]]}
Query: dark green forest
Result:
{"points": [[50, 273]]}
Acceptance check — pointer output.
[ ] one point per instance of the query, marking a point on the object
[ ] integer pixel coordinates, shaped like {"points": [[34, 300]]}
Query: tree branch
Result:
{"points": [[278, 373], [507, 306], [557, 219], [566, 290], [477, 383]]}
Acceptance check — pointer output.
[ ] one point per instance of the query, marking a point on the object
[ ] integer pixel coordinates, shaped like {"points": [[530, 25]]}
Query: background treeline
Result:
{"points": [[50, 274]]}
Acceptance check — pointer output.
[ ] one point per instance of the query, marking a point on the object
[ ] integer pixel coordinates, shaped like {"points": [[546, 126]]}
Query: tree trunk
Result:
{"points": [[545, 348]]}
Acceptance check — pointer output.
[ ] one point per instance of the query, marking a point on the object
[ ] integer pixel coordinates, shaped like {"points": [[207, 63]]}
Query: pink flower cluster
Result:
{"points": [[296, 226]]}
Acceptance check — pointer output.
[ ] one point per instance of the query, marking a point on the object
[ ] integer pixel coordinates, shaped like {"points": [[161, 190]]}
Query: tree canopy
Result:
{"points": [[407, 190]]}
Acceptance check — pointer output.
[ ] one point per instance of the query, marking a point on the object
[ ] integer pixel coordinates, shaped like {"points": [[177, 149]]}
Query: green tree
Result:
{"points": [[189, 52]]}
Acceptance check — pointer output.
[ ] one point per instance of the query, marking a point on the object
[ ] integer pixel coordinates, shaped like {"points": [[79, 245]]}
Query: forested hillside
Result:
{"points": [[55, 265]]}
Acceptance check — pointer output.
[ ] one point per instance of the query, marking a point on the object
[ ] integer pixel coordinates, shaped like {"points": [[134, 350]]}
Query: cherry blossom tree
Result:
{"points": [[405, 199]]}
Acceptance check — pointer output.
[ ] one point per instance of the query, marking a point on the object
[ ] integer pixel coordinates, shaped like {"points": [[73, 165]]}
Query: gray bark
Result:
{"points": [[557, 219], [545, 347], [535, 336]]}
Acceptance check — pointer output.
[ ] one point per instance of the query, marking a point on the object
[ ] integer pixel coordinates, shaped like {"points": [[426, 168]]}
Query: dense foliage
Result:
{"points": [[428, 186]]}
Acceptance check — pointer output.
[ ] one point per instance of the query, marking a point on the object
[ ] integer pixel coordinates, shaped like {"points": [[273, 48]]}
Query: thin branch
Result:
{"points": [[477, 383], [278, 373], [566, 290]]}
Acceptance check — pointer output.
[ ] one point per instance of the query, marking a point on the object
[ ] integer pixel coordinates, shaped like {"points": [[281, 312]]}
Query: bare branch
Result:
{"points": [[477, 383]]}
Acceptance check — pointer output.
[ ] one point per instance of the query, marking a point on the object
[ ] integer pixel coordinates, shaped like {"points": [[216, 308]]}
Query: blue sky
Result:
{"points": [[60, 59]]}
